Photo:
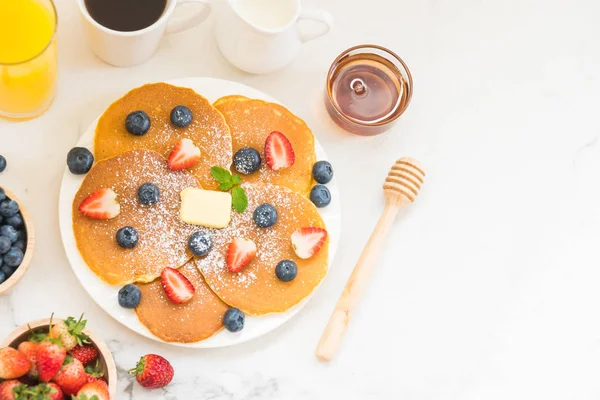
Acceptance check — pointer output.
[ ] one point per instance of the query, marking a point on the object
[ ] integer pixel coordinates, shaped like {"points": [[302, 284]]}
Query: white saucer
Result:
{"points": [[106, 296]]}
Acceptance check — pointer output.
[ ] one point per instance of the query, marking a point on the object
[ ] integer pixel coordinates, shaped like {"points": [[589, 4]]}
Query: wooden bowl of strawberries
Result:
{"points": [[55, 359]]}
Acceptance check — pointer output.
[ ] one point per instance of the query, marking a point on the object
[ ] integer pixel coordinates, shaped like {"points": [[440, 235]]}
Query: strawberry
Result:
{"points": [[70, 332], [85, 354], [177, 287], [184, 155], [13, 363], [50, 357], [46, 391], [153, 371], [102, 204], [71, 376], [29, 349], [97, 390], [240, 253], [308, 241], [278, 151], [11, 390], [93, 373]]}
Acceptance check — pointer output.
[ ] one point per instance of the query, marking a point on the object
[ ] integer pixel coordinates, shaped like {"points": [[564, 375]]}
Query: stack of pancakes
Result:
{"points": [[126, 161]]}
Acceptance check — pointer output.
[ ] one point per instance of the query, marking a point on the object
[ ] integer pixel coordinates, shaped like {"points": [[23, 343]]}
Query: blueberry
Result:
{"points": [[320, 196], [5, 244], [2, 277], [322, 172], [80, 160], [246, 160], [127, 237], [286, 270], [130, 296], [8, 208], [14, 257], [20, 244], [181, 116], [200, 243], [137, 123], [2, 163], [16, 221], [234, 320], [148, 194], [265, 215], [7, 271], [9, 232], [2, 196]]}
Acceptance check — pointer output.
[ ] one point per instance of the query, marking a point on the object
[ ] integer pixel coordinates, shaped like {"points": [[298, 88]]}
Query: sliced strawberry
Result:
{"points": [[177, 287], [184, 155], [240, 253], [278, 151], [308, 241], [102, 204]]}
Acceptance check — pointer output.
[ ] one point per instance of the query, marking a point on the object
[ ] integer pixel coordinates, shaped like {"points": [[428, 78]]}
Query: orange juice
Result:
{"points": [[27, 57]]}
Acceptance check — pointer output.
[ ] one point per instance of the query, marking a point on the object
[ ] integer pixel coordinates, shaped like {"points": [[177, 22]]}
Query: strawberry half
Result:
{"points": [[102, 204], [308, 241], [278, 151], [184, 155], [177, 287], [240, 253]]}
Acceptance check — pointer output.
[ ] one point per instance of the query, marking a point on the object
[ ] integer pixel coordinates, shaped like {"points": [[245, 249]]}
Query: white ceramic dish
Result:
{"points": [[106, 296]]}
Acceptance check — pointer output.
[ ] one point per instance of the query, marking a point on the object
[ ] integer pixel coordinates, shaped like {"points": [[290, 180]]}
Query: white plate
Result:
{"points": [[106, 296]]}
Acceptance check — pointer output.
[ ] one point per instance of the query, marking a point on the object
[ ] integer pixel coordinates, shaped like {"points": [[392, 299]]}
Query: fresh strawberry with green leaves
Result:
{"points": [[30, 350], [177, 287], [12, 390], [185, 154], [228, 182], [93, 373], [279, 153], [102, 204], [308, 241], [71, 376], [97, 390], [153, 371], [240, 253], [13, 363], [49, 357], [45, 391], [85, 354], [70, 332]]}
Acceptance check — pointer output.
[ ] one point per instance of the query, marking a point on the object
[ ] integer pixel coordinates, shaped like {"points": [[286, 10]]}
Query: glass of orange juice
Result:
{"points": [[27, 57]]}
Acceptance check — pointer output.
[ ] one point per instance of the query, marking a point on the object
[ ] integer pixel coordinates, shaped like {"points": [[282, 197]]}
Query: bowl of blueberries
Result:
{"points": [[16, 240]]}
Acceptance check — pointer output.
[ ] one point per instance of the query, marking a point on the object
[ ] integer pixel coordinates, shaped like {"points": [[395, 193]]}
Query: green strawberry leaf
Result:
{"points": [[221, 175], [239, 199]]}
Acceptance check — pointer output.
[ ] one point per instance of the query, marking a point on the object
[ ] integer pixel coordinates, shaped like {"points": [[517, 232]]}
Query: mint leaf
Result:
{"points": [[237, 179], [239, 199], [225, 186], [221, 175]]}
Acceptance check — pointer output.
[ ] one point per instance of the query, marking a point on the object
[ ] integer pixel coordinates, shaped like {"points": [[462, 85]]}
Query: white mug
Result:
{"points": [[125, 49], [262, 36]]}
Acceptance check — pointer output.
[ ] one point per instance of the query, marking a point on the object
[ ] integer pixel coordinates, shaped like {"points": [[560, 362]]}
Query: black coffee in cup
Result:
{"points": [[126, 15]]}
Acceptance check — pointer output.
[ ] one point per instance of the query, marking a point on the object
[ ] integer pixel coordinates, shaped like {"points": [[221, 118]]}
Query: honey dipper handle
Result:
{"points": [[336, 327]]}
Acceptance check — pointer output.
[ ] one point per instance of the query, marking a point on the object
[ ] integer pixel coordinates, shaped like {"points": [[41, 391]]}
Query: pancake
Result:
{"points": [[196, 320], [162, 234], [251, 121], [208, 129], [256, 289]]}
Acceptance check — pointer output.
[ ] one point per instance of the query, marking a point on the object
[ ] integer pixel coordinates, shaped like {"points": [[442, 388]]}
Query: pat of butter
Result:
{"points": [[208, 208]]}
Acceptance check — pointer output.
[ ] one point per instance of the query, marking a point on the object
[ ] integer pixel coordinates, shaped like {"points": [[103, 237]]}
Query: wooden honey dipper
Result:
{"points": [[401, 188]]}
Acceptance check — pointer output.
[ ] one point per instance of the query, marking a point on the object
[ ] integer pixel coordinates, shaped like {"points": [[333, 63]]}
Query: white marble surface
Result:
{"points": [[489, 289]]}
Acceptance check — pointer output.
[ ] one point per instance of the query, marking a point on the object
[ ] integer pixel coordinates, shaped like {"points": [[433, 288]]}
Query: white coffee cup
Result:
{"points": [[262, 36], [125, 49]]}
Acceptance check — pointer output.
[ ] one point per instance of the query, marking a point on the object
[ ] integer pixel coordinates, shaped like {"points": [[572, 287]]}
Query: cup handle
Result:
{"points": [[316, 15], [182, 24]]}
